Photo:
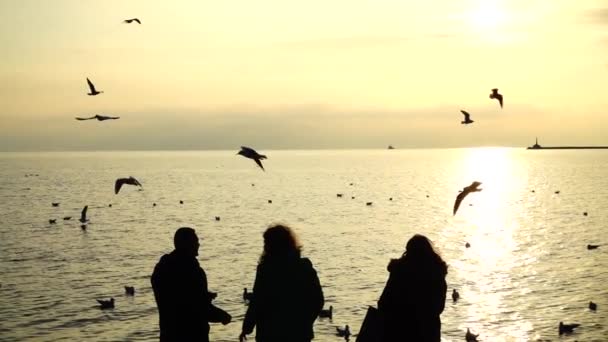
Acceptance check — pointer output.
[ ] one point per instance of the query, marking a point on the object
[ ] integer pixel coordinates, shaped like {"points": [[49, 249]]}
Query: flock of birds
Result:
{"points": [[252, 154]]}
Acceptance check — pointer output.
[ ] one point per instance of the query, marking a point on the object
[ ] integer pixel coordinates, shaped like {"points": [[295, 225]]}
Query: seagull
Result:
{"points": [[99, 118], [217, 218], [269, 201], [592, 306], [567, 328], [369, 203], [455, 295], [470, 337], [497, 96], [92, 88], [343, 332], [592, 246], [67, 218], [338, 195], [55, 204], [83, 214], [471, 188], [467, 245], [327, 313], [106, 304], [52, 221], [128, 21], [467, 119], [247, 296], [120, 181], [130, 290], [252, 154]]}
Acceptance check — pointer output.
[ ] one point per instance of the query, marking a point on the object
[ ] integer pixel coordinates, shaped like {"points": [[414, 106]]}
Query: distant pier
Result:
{"points": [[536, 146]]}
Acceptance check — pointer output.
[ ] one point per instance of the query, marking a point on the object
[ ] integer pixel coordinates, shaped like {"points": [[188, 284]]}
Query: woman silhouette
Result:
{"points": [[414, 295], [287, 295]]}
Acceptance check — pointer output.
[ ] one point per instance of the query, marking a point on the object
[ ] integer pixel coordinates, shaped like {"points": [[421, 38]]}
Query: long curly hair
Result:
{"points": [[280, 242], [419, 249]]}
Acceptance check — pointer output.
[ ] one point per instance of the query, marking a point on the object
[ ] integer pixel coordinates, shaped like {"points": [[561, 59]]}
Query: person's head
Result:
{"points": [[186, 241], [280, 242], [420, 249]]}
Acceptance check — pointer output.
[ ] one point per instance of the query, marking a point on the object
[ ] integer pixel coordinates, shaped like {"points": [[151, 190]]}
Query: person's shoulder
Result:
{"points": [[306, 262], [394, 264]]}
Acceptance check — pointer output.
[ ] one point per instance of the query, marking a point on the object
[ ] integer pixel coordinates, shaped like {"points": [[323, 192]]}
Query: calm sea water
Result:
{"points": [[527, 268]]}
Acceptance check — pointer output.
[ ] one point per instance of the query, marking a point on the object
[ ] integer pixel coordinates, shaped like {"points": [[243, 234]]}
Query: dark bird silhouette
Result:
{"points": [[592, 306], [130, 290], [252, 154], [343, 332], [369, 203], [55, 204], [83, 214], [327, 313], [467, 245], [470, 337], [467, 118], [67, 218], [128, 21], [592, 246], [120, 181], [110, 205], [352, 197], [338, 195], [154, 204], [390, 199], [181, 202], [99, 118], [465, 191], [52, 221], [557, 192], [92, 88], [217, 218], [567, 328], [585, 213], [247, 296], [106, 304], [497, 96], [269, 201], [455, 295]]}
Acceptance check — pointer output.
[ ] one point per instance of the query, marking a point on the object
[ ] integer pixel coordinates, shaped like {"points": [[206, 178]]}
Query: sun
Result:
{"points": [[487, 16]]}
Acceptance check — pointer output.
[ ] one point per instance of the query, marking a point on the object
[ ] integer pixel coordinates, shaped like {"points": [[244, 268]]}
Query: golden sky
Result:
{"points": [[302, 74]]}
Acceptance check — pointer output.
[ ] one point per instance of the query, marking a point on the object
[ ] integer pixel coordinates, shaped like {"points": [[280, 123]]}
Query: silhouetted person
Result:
{"points": [[414, 296], [182, 297], [287, 295]]}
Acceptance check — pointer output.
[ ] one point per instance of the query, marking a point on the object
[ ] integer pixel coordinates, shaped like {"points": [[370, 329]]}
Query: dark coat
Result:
{"points": [[182, 297], [412, 301], [287, 298]]}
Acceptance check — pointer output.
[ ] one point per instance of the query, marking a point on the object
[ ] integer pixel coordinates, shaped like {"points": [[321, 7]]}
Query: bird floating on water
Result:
{"points": [[106, 304], [327, 313], [592, 306], [250, 153], [217, 218], [67, 218], [467, 245], [130, 290], [465, 191], [592, 246], [99, 118], [343, 332], [128, 21], [467, 118], [455, 295], [92, 88], [52, 221], [55, 204], [567, 328], [369, 203], [120, 181], [83, 214], [470, 337], [497, 96], [247, 296]]}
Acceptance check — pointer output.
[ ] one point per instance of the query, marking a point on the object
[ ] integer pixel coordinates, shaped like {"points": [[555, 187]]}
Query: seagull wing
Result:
{"points": [[257, 161], [459, 199], [92, 117], [499, 97], [137, 21], [91, 86], [466, 115], [83, 214], [134, 181], [118, 185]]}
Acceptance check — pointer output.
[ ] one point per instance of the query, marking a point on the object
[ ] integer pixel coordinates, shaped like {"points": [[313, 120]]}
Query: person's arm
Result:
{"points": [[316, 298], [251, 315], [214, 314]]}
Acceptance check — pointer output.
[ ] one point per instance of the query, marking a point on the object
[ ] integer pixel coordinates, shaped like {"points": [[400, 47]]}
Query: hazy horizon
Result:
{"points": [[202, 75]]}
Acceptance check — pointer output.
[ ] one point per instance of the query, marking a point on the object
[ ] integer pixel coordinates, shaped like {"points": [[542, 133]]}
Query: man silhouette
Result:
{"points": [[180, 290]]}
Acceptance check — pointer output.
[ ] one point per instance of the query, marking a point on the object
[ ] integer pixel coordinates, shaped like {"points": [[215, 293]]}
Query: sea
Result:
{"points": [[527, 267]]}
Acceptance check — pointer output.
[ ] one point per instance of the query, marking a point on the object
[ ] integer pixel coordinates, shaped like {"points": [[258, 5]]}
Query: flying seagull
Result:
{"points": [[497, 96], [471, 188], [467, 119], [252, 154], [121, 181], [128, 21], [92, 88], [99, 118], [83, 214]]}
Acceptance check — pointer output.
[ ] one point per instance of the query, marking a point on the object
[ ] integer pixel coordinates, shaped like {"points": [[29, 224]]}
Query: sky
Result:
{"points": [[314, 74]]}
